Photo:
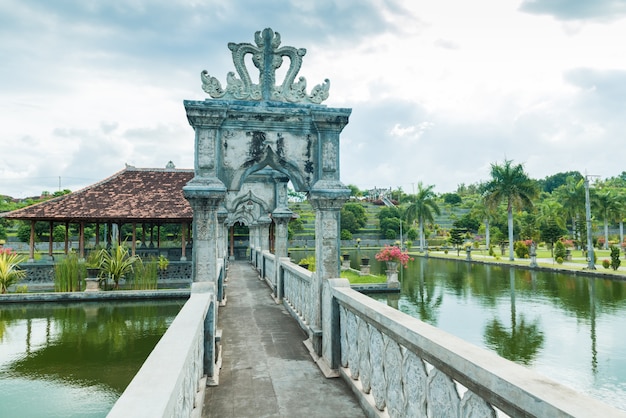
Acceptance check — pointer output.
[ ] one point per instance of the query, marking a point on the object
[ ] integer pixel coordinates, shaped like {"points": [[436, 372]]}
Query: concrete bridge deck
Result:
{"points": [[266, 369]]}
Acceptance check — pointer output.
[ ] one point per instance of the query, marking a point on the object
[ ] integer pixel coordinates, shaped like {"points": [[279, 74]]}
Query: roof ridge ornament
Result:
{"points": [[267, 56]]}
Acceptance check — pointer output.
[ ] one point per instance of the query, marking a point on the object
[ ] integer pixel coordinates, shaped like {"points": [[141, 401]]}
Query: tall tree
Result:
{"points": [[572, 197], [422, 208], [606, 204], [511, 184]]}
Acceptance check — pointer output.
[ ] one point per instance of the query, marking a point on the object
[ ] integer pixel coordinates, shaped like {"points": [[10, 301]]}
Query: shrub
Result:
{"points": [[10, 271], [559, 250], [521, 249], [68, 274], [559, 260], [346, 235], [615, 261], [606, 263]]}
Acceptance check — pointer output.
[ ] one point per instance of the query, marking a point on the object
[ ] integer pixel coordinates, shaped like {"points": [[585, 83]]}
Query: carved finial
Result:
{"points": [[267, 57]]}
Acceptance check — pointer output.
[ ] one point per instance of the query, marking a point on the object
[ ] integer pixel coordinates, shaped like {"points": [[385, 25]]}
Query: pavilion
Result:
{"points": [[138, 196]]}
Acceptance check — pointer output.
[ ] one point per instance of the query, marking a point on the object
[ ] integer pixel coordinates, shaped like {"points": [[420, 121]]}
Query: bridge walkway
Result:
{"points": [[266, 369]]}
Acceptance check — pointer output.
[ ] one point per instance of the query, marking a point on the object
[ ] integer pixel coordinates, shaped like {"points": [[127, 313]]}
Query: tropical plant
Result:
{"points": [[10, 271], [117, 263], [606, 202], [572, 196], [422, 208], [559, 251], [145, 275], [509, 183]]}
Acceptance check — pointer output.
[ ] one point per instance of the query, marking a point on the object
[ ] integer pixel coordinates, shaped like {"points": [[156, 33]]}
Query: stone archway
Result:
{"points": [[247, 128]]}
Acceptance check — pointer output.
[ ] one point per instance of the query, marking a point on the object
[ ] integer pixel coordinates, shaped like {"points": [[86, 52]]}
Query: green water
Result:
{"points": [[570, 329], [74, 360]]}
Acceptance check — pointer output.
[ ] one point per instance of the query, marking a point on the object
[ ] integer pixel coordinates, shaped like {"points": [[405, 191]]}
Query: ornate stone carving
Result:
{"points": [[414, 377], [343, 328], [267, 57], [379, 384], [353, 353], [364, 356], [393, 377], [473, 406], [443, 399]]}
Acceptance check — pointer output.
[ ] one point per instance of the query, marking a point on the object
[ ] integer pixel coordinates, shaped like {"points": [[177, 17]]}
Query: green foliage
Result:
{"points": [[615, 261], [295, 226], [467, 222], [3, 232], [309, 262], [390, 234], [452, 199], [559, 260], [163, 263], [606, 263], [559, 250], [68, 274], [117, 263], [10, 271], [412, 234], [353, 217], [457, 238], [521, 250], [145, 275], [58, 233], [346, 235]]}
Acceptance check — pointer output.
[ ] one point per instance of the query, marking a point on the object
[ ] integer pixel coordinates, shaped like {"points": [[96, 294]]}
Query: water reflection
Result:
{"points": [[93, 348], [566, 327]]}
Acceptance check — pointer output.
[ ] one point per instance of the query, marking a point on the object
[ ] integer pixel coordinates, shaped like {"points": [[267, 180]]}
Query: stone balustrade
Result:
{"points": [[399, 366], [297, 292]]}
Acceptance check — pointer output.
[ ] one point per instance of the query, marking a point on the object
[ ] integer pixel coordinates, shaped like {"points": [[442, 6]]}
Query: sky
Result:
{"points": [[439, 90]]}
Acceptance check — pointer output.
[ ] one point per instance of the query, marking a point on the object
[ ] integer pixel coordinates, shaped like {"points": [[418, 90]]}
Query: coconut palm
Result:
{"points": [[10, 272], [606, 204], [509, 183], [422, 209], [572, 197]]}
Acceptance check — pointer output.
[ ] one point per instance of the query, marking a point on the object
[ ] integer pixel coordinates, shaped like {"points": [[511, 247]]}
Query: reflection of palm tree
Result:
{"points": [[522, 342], [427, 303]]}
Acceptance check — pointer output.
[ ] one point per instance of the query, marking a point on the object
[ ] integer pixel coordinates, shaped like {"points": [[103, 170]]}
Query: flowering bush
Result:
{"points": [[393, 253]]}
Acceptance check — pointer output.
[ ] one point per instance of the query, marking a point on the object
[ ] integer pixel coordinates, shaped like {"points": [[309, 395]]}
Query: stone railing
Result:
{"points": [[267, 269], [296, 292], [399, 366], [172, 380]]}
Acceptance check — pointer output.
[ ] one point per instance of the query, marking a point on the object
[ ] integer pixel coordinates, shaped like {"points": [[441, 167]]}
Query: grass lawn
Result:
{"points": [[355, 278]]}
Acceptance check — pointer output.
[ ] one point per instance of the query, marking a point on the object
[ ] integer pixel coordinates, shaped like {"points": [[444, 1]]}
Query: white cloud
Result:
{"points": [[439, 90]]}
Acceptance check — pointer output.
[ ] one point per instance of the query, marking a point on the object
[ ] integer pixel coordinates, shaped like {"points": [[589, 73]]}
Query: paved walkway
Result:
{"points": [[266, 370]]}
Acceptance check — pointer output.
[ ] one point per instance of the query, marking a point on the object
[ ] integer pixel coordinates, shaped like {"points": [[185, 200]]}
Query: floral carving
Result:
{"points": [[473, 406], [267, 57], [379, 385]]}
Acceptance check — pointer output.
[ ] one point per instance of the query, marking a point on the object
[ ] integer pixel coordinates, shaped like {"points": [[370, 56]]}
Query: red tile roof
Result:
{"points": [[130, 195]]}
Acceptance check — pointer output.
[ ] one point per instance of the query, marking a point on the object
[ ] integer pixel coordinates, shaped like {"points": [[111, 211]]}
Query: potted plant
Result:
{"points": [[392, 255]]}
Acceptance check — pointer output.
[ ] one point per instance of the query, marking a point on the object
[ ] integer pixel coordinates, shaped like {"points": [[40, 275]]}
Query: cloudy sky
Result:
{"points": [[439, 89]]}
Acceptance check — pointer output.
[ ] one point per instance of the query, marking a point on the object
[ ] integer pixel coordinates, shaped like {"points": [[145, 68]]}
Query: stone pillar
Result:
{"points": [[281, 217], [222, 236], [327, 204], [204, 196]]}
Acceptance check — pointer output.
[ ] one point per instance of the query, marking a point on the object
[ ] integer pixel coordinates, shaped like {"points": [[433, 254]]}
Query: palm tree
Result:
{"points": [[606, 202], [509, 183], [551, 221], [422, 209], [572, 197]]}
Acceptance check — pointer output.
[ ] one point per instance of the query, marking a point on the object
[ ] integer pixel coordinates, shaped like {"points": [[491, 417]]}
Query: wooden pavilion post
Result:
{"points": [[81, 240], [134, 244], [158, 235], [97, 234], [183, 241], [32, 242], [50, 239], [67, 237]]}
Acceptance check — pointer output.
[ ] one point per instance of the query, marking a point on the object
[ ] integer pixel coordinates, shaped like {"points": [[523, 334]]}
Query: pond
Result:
{"points": [[568, 328], [75, 360]]}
